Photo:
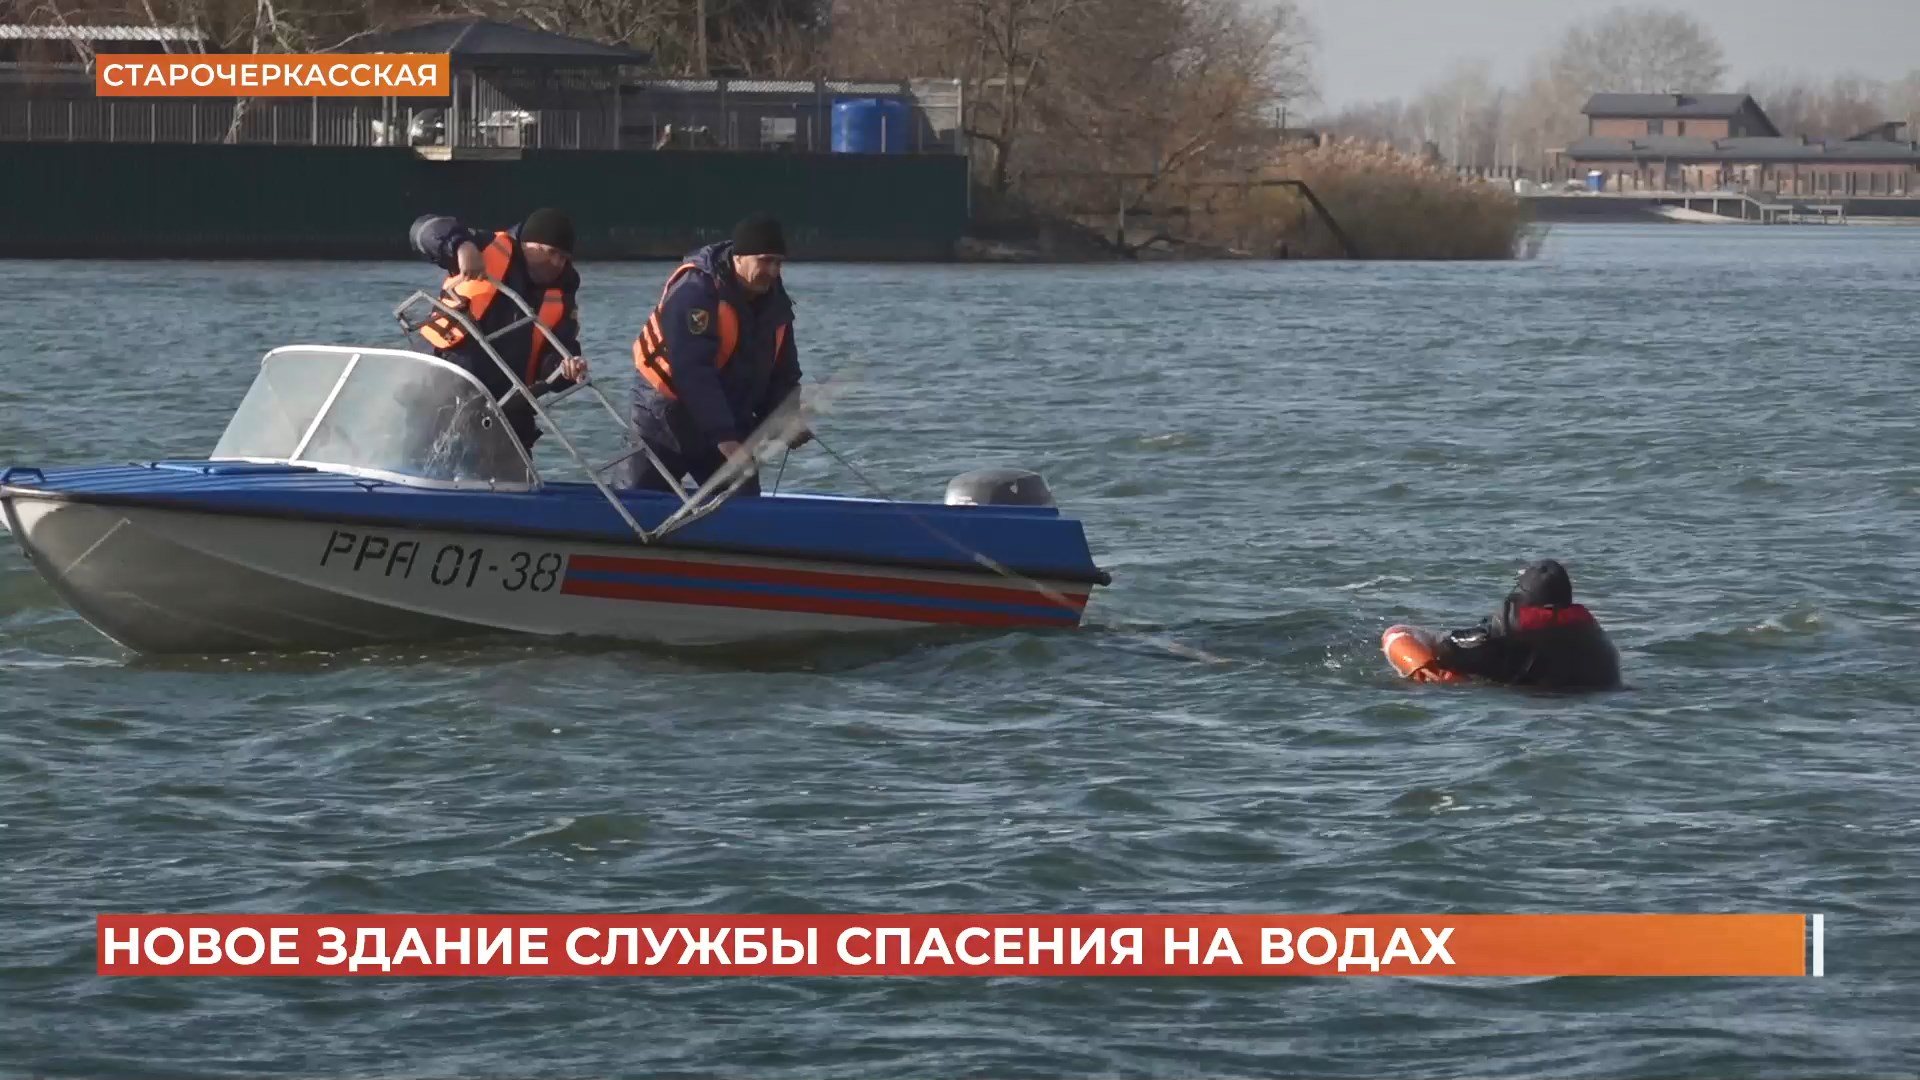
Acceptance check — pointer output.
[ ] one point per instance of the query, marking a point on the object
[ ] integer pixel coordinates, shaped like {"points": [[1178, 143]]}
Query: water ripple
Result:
{"points": [[1277, 462]]}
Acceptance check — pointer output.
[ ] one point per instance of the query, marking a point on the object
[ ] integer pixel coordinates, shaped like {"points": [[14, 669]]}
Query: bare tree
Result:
{"points": [[778, 43], [1468, 118], [1002, 51], [1462, 115], [1626, 49], [776, 37], [1392, 123], [776, 47], [1017, 40], [1157, 90], [869, 38], [1903, 102], [1853, 104], [1847, 105], [1642, 50], [1790, 102], [294, 29], [664, 27]]}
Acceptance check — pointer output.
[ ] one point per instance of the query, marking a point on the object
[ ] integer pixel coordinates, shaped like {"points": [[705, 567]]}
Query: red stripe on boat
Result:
{"points": [[812, 605], [820, 579]]}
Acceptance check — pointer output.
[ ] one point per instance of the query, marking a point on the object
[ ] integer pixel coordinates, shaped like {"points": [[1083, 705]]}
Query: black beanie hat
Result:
{"points": [[759, 235], [548, 226], [1546, 584]]}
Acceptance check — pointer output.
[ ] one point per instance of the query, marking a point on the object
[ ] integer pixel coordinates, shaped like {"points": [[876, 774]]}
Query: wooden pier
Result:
{"points": [[1764, 208]]}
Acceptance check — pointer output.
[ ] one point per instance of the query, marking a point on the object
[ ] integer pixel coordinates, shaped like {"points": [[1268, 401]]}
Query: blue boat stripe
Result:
{"points": [[1035, 541]]}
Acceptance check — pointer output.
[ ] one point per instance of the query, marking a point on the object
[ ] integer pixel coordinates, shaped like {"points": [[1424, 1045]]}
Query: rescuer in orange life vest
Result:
{"points": [[1540, 638], [534, 259], [715, 357]]}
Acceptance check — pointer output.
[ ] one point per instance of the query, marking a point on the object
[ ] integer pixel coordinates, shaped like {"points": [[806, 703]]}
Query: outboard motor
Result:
{"points": [[998, 487]]}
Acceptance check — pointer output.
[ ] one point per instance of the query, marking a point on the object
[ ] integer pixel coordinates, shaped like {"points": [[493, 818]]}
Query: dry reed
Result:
{"points": [[1391, 205]]}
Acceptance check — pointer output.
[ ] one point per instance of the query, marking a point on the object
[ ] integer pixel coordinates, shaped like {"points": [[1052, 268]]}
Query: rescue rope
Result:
{"points": [[787, 453], [991, 564], [794, 415], [1012, 575]]}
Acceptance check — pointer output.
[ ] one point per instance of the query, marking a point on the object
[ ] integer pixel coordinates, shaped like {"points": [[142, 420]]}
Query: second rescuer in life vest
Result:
{"points": [[535, 260], [716, 357]]}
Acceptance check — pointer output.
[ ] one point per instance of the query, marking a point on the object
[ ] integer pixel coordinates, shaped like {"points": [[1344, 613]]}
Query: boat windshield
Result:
{"points": [[385, 413]]}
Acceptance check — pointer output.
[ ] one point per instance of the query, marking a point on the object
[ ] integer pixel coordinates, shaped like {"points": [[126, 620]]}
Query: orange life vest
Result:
{"points": [[445, 333], [650, 348]]}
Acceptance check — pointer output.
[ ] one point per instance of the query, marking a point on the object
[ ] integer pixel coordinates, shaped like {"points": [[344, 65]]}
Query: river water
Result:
{"points": [[1713, 427]]}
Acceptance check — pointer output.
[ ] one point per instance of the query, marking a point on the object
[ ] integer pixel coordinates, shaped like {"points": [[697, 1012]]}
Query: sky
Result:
{"points": [[1371, 49]]}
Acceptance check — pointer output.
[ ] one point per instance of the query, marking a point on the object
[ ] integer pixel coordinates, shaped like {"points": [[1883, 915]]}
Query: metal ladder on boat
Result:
{"points": [[708, 498]]}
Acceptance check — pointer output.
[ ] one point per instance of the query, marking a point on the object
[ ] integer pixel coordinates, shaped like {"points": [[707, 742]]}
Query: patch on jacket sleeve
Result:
{"points": [[698, 320]]}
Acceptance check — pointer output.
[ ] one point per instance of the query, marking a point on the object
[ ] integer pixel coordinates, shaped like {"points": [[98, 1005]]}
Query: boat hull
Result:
{"points": [[168, 580]]}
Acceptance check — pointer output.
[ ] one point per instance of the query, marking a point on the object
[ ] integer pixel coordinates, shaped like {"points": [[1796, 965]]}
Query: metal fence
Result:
{"points": [[497, 112], [312, 123]]}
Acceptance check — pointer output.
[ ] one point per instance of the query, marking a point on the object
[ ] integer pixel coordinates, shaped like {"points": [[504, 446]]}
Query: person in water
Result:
{"points": [[535, 260], [716, 357], [1540, 637]]}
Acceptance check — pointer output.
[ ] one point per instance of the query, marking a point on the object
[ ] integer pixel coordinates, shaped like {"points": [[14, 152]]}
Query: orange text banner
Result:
{"points": [[1037, 945], [143, 75]]}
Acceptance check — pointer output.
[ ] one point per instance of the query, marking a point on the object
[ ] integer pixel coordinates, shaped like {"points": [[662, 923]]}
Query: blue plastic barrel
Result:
{"points": [[871, 126], [1596, 180]]}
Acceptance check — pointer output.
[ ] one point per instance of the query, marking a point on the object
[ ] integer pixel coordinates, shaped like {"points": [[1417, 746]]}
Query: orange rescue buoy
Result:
{"points": [[1410, 651]]}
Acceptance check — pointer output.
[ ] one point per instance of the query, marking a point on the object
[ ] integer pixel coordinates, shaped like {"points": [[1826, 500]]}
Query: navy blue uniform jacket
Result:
{"points": [[717, 405], [438, 238]]}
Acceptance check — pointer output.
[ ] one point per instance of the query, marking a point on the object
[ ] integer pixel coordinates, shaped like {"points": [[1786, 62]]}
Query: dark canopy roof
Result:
{"points": [[1753, 149], [1680, 107], [1676, 106], [475, 42]]}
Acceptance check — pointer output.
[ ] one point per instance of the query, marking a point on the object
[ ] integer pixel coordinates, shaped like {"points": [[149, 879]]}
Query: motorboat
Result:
{"points": [[367, 495]]}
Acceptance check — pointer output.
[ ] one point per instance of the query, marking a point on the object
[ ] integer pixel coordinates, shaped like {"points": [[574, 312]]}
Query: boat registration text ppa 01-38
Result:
{"points": [[451, 565]]}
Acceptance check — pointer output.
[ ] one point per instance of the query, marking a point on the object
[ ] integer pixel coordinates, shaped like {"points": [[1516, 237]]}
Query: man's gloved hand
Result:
{"points": [[802, 438]]}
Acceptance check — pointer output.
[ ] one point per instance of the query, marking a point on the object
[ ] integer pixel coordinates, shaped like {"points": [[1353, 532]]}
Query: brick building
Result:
{"points": [[1726, 142]]}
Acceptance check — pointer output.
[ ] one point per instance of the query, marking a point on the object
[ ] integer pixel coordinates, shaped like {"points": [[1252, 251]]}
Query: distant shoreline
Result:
{"points": [[1654, 208]]}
